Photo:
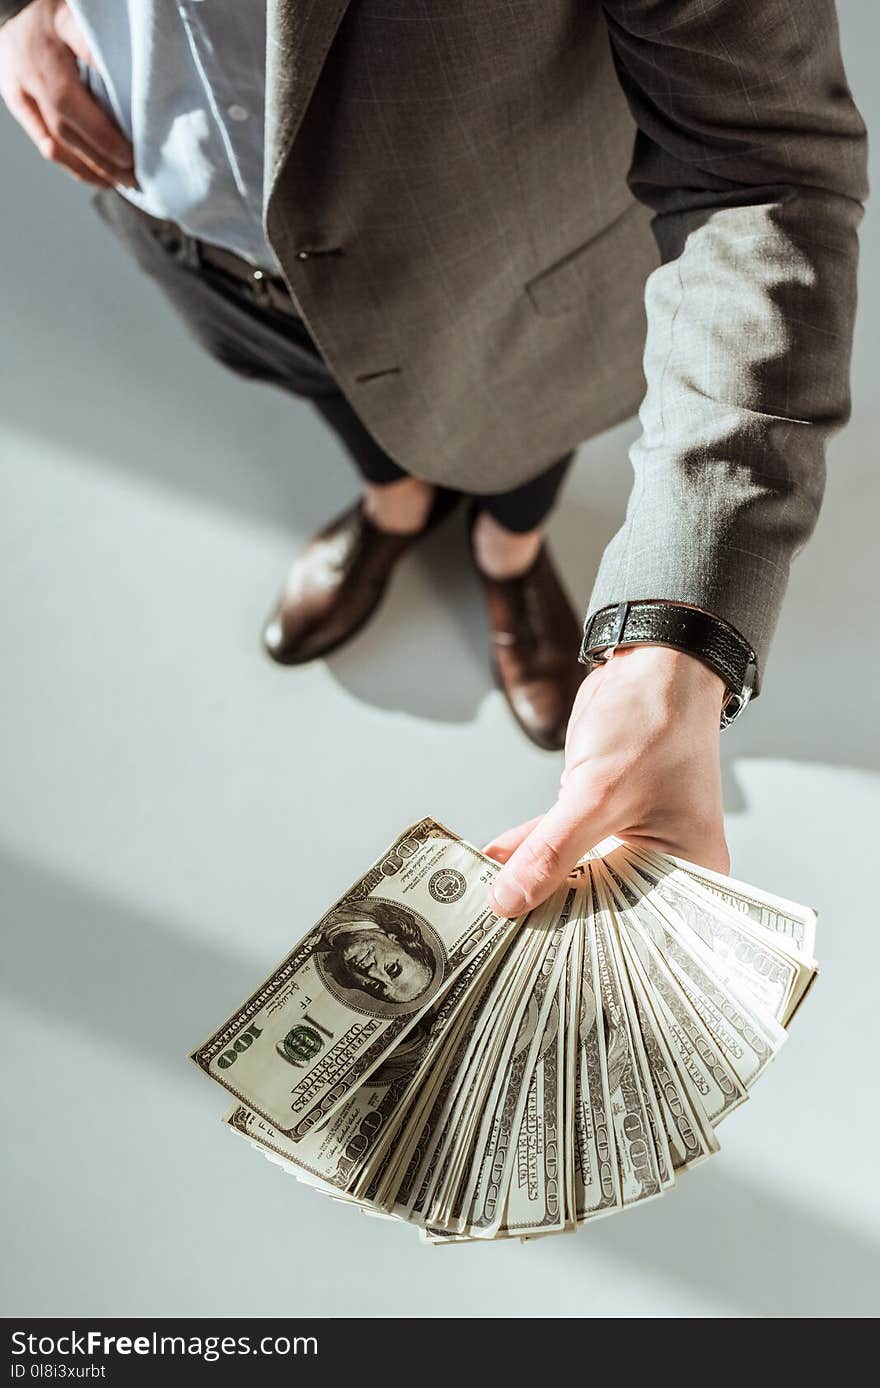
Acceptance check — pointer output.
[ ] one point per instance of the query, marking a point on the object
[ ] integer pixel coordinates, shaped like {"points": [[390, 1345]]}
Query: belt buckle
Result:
{"points": [[169, 238], [179, 245]]}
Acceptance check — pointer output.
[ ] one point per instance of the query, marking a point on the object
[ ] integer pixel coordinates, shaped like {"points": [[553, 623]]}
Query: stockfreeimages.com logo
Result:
{"points": [[94, 1344]]}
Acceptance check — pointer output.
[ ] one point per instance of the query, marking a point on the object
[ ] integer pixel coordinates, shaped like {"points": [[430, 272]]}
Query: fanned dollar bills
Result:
{"points": [[424, 1060]]}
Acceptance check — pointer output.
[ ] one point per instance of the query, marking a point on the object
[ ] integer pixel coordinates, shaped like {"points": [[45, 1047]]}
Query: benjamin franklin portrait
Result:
{"points": [[380, 957]]}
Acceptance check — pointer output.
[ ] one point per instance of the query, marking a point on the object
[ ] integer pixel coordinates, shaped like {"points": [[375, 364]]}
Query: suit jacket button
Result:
{"points": [[302, 255]]}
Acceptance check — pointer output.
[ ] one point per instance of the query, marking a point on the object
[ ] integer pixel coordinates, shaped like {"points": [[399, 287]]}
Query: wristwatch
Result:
{"points": [[658, 622]]}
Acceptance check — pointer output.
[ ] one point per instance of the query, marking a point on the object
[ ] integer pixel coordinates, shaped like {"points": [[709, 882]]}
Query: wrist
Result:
{"points": [[694, 632], [673, 676]]}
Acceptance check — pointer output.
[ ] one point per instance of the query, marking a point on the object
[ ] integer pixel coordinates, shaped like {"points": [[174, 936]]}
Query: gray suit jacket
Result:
{"points": [[530, 195]]}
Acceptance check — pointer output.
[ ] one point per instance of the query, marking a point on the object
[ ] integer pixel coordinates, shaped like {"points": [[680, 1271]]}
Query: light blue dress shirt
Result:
{"points": [[185, 80]]}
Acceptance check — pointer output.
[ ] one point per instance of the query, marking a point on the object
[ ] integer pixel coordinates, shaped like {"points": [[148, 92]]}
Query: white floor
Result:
{"points": [[176, 811]]}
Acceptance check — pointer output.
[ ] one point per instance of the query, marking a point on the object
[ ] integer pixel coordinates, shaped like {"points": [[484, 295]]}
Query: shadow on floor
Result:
{"points": [[130, 391], [85, 961], [758, 1252]]}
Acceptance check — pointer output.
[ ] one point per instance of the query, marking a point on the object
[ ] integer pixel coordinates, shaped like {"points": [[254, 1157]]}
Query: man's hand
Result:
{"points": [[641, 762], [40, 83]]}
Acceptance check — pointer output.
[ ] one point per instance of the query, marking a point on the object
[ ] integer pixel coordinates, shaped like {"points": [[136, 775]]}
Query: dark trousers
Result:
{"points": [[264, 343]]}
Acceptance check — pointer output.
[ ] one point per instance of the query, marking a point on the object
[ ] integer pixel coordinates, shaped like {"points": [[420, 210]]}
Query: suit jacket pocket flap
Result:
{"points": [[584, 271]]}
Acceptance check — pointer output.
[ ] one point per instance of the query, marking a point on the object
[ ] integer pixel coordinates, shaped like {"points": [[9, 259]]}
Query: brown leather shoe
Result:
{"points": [[535, 643], [338, 582]]}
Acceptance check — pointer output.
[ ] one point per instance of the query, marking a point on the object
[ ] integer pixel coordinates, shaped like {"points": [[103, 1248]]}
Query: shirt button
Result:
{"points": [[237, 112]]}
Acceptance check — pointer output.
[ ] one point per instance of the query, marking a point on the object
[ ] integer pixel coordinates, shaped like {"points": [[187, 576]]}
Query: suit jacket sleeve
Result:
{"points": [[752, 156]]}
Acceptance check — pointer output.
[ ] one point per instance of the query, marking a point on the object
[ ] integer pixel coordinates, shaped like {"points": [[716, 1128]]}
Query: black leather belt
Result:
{"points": [[689, 629], [264, 289]]}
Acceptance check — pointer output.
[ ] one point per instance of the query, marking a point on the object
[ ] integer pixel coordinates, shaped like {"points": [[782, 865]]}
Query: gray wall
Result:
{"points": [[175, 812]]}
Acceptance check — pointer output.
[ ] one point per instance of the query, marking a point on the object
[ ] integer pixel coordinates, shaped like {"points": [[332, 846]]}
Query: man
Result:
{"points": [[434, 235]]}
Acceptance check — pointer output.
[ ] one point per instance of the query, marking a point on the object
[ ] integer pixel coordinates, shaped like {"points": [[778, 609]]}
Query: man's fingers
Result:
{"points": [[501, 848], [72, 35], [76, 120], [89, 125], [66, 158], [545, 857], [27, 113], [57, 132], [79, 150]]}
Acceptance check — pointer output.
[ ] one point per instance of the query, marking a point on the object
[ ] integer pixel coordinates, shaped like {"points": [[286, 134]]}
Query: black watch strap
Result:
{"points": [[664, 623]]}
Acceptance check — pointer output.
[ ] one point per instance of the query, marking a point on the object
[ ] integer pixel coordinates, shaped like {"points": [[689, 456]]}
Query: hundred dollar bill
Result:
{"points": [[536, 1195], [597, 1178], [572, 1063], [767, 966], [689, 1134], [334, 1009], [436, 1143], [468, 1134], [749, 1037], [461, 1014], [633, 1130], [650, 1097], [786, 918], [421, 1060], [702, 1060], [275, 1147], [337, 1152], [688, 1130], [608, 939], [498, 1141], [394, 1168], [405, 1190], [411, 1070]]}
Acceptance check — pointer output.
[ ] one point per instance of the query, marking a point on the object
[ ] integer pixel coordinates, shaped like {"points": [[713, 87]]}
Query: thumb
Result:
{"points": [[546, 857], [501, 848]]}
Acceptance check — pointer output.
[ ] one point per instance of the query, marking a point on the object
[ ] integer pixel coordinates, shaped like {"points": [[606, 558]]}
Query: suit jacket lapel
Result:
{"points": [[298, 35]]}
